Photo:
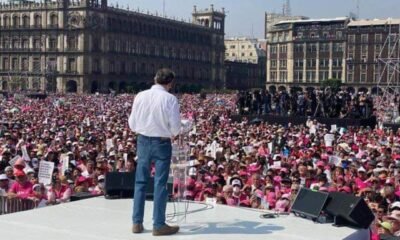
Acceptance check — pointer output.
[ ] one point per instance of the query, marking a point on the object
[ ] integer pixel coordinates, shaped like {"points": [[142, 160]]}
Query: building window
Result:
{"points": [[52, 65], [232, 47], [323, 75], [311, 63], [283, 49], [378, 49], [72, 42], [15, 43], [363, 77], [298, 76], [299, 63], [273, 49], [36, 65], [324, 47], [337, 62], [6, 21], [54, 20], [25, 43], [298, 48], [25, 21], [338, 47], [283, 76], [71, 65], [364, 51], [16, 21], [96, 66], [377, 74], [6, 64], [312, 47], [14, 64], [339, 35], [364, 38], [53, 43], [37, 21], [310, 76], [378, 38], [37, 43], [352, 38], [273, 77], [6, 43], [282, 63], [24, 64], [324, 63], [273, 63], [337, 75], [351, 51]]}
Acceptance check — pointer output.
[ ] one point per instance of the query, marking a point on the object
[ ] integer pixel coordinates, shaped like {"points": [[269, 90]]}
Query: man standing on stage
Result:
{"points": [[155, 118]]}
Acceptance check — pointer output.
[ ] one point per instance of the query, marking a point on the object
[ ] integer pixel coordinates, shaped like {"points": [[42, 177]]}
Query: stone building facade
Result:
{"points": [[305, 52], [88, 46], [369, 48], [245, 60]]}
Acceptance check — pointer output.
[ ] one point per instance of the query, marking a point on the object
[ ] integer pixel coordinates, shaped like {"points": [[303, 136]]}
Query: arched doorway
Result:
{"points": [[310, 89], [376, 91], [282, 88], [71, 86], [95, 87], [272, 89], [4, 85], [111, 86], [122, 87], [363, 89], [351, 90]]}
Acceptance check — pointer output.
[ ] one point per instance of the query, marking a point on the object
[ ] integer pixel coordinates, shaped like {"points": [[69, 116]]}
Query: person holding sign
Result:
{"points": [[155, 118]]}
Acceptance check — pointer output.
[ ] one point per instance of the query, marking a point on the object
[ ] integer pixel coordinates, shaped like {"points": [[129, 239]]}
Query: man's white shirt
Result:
{"points": [[155, 113]]}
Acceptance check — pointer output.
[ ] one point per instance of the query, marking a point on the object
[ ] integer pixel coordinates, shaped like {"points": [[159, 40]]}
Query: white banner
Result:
{"points": [[329, 138], [25, 154], [45, 172], [64, 159], [109, 144], [12, 161]]}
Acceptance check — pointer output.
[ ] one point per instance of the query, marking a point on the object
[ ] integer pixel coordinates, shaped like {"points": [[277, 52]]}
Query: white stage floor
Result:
{"points": [[101, 219]]}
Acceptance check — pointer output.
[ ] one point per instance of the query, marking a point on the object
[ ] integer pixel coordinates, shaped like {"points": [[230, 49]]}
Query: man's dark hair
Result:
{"points": [[164, 76]]}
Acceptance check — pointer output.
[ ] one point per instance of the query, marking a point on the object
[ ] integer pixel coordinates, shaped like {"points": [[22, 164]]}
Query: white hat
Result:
{"points": [[3, 177], [35, 186], [236, 182], [192, 171], [395, 204], [101, 177], [211, 163], [361, 169]]}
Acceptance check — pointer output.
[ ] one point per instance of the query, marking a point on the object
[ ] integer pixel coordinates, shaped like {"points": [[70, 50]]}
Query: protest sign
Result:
{"points": [[12, 161], [25, 154], [45, 172], [329, 138], [64, 159]]}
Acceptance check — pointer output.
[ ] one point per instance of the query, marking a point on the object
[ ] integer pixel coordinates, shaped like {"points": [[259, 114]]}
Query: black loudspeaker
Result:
{"points": [[122, 185], [349, 210], [119, 185], [309, 203]]}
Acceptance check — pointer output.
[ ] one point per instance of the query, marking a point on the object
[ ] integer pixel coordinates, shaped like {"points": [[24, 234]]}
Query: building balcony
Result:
{"points": [[52, 26], [71, 72]]}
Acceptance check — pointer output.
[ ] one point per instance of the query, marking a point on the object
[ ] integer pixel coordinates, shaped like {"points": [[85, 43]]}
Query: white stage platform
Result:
{"points": [[101, 219]]}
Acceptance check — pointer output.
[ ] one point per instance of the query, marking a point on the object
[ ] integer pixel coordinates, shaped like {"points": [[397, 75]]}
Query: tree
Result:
{"points": [[333, 84]]}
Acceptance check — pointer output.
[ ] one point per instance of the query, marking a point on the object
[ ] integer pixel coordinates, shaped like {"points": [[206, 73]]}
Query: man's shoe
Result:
{"points": [[137, 228], [165, 230]]}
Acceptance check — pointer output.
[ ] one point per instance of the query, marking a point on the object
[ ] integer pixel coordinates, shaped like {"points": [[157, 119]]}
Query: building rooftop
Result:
{"points": [[338, 19], [374, 22]]}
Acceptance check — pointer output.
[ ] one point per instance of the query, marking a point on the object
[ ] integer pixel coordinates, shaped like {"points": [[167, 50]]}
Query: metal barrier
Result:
{"points": [[15, 205]]}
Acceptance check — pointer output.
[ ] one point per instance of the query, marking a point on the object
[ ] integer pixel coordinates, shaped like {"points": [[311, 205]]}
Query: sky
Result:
{"points": [[246, 17]]}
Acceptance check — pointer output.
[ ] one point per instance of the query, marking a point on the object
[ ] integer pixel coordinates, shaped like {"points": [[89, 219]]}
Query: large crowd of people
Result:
{"points": [[315, 103], [260, 166]]}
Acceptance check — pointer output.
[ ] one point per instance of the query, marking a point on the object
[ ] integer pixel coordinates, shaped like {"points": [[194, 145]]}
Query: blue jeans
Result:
{"points": [[158, 150]]}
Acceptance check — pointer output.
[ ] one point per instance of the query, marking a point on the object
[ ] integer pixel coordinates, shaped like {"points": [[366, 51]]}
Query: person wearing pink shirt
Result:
{"points": [[58, 193], [21, 188]]}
